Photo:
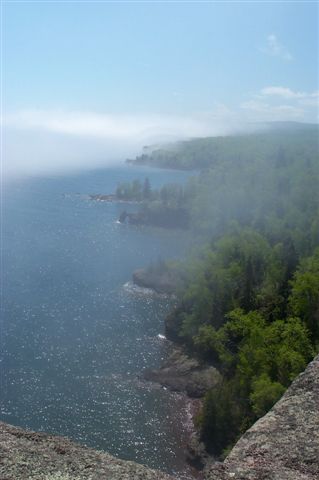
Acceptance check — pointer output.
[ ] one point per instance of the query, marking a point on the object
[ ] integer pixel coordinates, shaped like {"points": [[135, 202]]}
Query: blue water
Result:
{"points": [[74, 337]]}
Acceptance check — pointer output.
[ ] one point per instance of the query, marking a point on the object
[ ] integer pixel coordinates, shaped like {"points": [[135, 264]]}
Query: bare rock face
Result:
{"points": [[284, 444], [182, 373], [161, 282], [26, 455]]}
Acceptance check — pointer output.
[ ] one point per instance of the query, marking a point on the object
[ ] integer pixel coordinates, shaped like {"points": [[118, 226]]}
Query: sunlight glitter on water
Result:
{"points": [[74, 340]]}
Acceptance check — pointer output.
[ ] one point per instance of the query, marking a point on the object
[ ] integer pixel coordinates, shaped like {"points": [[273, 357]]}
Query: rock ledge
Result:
{"points": [[185, 374], [26, 455]]}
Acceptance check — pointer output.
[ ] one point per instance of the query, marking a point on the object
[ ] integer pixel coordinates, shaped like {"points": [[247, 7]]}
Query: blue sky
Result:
{"points": [[191, 67]]}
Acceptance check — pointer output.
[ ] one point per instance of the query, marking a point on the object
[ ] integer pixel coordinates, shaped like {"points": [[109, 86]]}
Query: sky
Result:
{"points": [[100, 79]]}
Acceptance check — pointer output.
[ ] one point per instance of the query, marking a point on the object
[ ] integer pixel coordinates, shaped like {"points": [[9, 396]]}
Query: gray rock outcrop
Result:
{"points": [[185, 374], [161, 282], [26, 455]]}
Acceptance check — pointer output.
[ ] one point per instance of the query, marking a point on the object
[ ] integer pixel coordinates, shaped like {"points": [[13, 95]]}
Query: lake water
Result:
{"points": [[74, 337]]}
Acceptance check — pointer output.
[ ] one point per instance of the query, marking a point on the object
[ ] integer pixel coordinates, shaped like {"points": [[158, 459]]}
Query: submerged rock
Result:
{"points": [[26, 455], [182, 373], [284, 444]]}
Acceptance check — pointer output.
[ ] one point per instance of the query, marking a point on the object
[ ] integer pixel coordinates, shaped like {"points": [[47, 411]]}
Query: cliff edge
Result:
{"points": [[26, 455], [284, 444]]}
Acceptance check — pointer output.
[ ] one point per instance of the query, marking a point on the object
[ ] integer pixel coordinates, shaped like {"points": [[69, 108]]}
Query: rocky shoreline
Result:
{"points": [[111, 198], [180, 372], [164, 282], [184, 374], [192, 379]]}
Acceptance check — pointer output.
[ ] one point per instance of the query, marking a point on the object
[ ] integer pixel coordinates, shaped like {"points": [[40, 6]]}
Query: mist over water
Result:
{"points": [[39, 142], [75, 336], [42, 153]]}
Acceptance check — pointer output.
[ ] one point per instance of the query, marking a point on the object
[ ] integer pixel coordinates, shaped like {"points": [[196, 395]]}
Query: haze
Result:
{"points": [[88, 84]]}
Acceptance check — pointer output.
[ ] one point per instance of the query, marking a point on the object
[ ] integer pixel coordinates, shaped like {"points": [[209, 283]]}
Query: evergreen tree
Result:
{"points": [[147, 189]]}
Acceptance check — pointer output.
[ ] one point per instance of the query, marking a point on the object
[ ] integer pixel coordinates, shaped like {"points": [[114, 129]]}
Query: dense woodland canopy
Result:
{"points": [[248, 301]]}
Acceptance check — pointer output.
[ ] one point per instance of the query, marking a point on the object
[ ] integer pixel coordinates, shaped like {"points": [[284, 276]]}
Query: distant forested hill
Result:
{"points": [[267, 181], [202, 153]]}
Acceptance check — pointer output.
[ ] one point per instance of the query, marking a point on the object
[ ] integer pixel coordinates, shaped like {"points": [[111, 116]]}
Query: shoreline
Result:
{"points": [[111, 198], [187, 378], [181, 374]]}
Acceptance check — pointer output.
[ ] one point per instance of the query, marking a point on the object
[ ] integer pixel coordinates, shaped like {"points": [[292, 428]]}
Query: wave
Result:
{"points": [[131, 287], [161, 337]]}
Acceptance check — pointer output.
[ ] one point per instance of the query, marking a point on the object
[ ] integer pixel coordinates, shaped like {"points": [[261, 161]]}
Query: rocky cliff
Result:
{"points": [[184, 374], [284, 444], [26, 455], [160, 281]]}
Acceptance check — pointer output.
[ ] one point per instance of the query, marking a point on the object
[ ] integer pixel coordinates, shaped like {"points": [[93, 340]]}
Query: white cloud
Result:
{"points": [[276, 49], [310, 102], [283, 103], [108, 126], [297, 99], [268, 111], [287, 93]]}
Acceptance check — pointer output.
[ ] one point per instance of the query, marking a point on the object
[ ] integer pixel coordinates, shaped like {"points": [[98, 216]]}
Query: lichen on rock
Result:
{"points": [[26, 455]]}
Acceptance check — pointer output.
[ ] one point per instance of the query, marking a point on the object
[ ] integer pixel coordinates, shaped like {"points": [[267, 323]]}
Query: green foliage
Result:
{"points": [[258, 361], [209, 344], [233, 272], [211, 151], [264, 394], [220, 416], [134, 191], [245, 310], [268, 181], [147, 192], [304, 299], [130, 191], [165, 207], [249, 301]]}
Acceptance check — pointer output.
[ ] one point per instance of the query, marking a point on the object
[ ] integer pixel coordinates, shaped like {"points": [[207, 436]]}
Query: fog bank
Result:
{"points": [[37, 142]]}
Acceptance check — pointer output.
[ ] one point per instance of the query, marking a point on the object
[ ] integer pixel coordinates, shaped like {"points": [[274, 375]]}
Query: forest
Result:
{"points": [[248, 298]]}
